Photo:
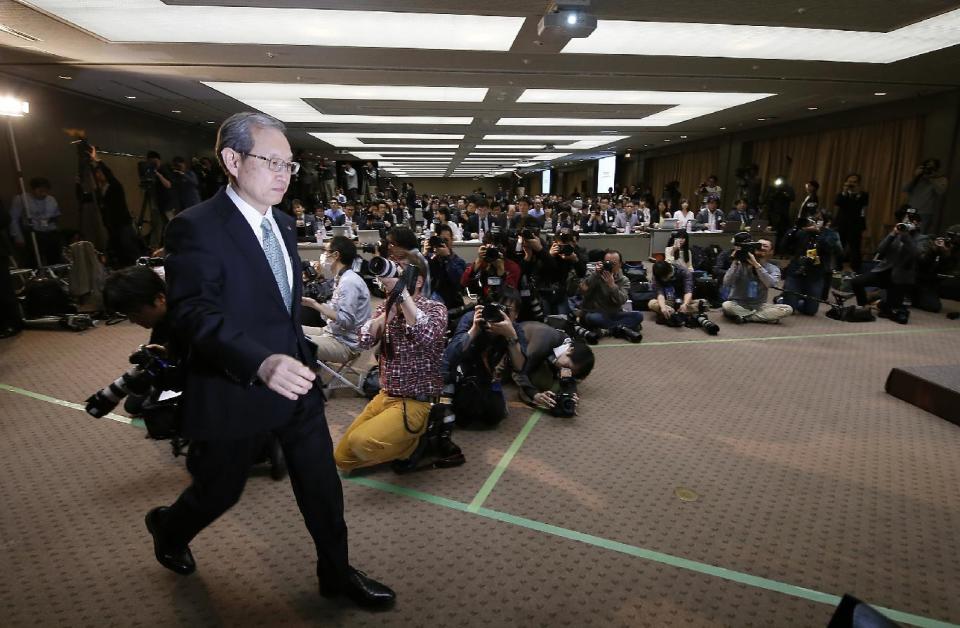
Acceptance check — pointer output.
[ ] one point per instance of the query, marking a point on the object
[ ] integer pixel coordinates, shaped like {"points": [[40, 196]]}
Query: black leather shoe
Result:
{"points": [[360, 588], [9, 332], [178, 560]]}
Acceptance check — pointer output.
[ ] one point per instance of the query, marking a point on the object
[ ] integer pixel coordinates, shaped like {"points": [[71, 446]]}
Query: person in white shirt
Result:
{"points": [[442, 217], [645, 213], [684, 216]]}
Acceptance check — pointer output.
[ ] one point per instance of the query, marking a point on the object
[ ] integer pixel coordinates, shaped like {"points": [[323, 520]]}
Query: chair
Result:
{"points": [[344, 375]]}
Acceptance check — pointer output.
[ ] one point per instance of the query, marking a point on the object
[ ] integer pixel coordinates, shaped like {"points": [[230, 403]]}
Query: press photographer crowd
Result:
{"points": [[247, 341]]}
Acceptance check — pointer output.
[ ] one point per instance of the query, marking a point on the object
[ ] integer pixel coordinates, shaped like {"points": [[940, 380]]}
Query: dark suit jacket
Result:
{"points": [[225, 304]]}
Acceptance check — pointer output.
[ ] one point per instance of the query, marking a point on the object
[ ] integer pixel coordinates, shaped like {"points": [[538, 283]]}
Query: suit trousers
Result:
{"points": [[219, 469]]}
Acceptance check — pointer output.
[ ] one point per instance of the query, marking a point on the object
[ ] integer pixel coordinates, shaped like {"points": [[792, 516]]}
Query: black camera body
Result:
{"points": [[492, 254], [742, 254], [435, 241], [566, 405], [150, 370], [493, 312]]}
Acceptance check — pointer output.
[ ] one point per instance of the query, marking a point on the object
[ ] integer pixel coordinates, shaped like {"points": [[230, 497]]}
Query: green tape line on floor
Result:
{"points": [[703, 341], [487, 487], [573, 535]]}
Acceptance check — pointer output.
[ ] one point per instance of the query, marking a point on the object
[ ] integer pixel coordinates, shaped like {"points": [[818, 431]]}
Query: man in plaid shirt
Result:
{"points": [[411, 331]]}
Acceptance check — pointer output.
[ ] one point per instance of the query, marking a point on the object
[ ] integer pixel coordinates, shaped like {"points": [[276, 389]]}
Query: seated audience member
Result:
{"points": [[678, 249], [740, 213], [595, 221], [684, 216], [662, 211], [710, 217], [486, 344], [554, 363], [442, 217], [605, 290], [523, 216], [498, 218], [409, 329], [938, 256], [348, 309], [480, 222], [446, 268], [336, 216], [748, 280], [491, 262], [648, 216], [897, 267], [628, 220], [306, 222]]}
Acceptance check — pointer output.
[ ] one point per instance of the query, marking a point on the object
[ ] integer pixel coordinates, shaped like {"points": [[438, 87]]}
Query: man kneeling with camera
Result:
{"points": [[410, 331], [553, 366], [749, 278], [674, 305], [605, 290], [486, 343]]}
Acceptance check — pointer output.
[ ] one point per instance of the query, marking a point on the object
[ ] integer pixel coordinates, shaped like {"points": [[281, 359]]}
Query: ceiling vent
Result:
{"points": [[18, 34]]}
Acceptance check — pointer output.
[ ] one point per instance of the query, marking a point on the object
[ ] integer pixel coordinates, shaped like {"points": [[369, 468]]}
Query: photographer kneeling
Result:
{"points": [[674, 305], [814, 247], [897, 267], [748, 279], [487, 339], [553, 366], [446, 268], [939, 256], [348, 308], [410, 330]]}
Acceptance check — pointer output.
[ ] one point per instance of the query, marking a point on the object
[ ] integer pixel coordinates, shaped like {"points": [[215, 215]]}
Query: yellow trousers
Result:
{"points": [[379, 435]]}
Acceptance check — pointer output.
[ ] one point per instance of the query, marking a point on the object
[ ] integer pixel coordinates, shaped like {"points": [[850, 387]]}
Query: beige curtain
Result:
{"points": [[884, 154], [690, 169]]}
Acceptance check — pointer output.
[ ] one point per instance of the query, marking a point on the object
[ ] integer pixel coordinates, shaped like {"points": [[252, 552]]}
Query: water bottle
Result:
{"points": [[480, 235], [321, 234], [626, 228]]}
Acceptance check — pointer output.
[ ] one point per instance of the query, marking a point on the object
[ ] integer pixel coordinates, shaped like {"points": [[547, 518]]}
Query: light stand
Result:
{"points": [[14, 108]]}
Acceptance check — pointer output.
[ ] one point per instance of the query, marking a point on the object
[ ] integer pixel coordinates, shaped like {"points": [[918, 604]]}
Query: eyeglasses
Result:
{"points": [[276, 164]]}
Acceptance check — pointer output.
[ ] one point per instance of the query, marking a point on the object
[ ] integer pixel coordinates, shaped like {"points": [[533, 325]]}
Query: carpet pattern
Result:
{"points": [[806, 472]]}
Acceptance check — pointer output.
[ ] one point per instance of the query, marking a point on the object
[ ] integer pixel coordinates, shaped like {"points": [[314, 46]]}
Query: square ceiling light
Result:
{"points": [[138, 21], [687, 105], [743, 41]]}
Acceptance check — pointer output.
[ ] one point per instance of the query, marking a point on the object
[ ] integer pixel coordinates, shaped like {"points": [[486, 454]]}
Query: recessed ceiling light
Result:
{"points": [[158, 21], [65, 78], [812, 108], [666, 140], [175, 111], [683, 137], [131, 97], [879, 93], [736, 41], [210, 122], [760, 119], [534, 146]]}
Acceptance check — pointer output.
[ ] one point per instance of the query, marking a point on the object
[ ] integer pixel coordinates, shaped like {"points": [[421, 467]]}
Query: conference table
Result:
{"points": [[635, 247]]}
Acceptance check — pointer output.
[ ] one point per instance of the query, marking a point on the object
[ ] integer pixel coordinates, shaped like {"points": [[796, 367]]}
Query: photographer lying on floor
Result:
{"points": [[749, 278], [554, 364]]}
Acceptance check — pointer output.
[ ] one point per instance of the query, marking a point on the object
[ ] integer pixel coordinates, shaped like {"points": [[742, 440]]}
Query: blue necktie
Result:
{"points": [[274, 253]]}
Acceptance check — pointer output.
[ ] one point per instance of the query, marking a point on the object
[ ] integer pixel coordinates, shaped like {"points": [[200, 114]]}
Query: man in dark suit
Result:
{"points": [[233, 291]]}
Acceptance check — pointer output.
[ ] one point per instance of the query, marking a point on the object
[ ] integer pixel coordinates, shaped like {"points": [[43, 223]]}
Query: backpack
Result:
{"points": [[45, 296]]}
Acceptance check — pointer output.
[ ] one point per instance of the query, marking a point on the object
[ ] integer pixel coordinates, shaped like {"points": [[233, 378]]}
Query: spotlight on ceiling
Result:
{"points": [[568, 18]]}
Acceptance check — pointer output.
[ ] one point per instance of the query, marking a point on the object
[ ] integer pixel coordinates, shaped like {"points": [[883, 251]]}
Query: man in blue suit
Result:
{"points": [[234, 291]]}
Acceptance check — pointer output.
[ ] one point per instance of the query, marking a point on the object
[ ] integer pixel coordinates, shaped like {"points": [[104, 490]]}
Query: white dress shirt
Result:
{"points": [[254, 218]]}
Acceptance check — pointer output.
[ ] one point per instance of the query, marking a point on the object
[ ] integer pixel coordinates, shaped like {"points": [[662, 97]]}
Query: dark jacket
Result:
{"points": [[113, 202], [899, 252], [541, 340], [225, 304], [5, 249]]}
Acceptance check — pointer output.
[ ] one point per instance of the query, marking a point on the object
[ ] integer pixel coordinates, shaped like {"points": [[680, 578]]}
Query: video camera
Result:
{"points": [[744, 245]]}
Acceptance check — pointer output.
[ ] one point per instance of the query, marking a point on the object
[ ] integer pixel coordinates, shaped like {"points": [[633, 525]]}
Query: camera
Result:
{"points": [[436, 241], [905, 227], [528, 234], [492, 254], [150, 262], [493, 313], [744, 249], [700, 319], [606, 265], [149, 370], [385, 268], [566, 406], [368, 247]]}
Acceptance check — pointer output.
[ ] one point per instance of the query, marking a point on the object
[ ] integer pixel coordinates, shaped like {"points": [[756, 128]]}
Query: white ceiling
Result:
{"points": [[381, 78]]}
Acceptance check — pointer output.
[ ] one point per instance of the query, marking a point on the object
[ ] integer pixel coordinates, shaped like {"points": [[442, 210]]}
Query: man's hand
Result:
{"points": [[607, 277], [535, 244], [545, 399], [667, 311], [753, 261], [555, 249], [478, 322], [503, 328], [481, 262], [684, 308], [286, 376]]}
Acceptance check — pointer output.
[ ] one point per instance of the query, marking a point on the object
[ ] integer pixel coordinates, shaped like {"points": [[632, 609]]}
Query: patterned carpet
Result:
{"points": [[808, 482]]}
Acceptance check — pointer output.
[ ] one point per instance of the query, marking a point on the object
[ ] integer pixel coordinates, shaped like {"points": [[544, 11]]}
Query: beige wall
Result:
{"points": [[438, 185]]}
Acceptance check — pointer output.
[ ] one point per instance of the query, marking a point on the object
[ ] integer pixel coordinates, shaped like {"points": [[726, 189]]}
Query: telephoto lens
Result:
{"points": [[384, 268]]}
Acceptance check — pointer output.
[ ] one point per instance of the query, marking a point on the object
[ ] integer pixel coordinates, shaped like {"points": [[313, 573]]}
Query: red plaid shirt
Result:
{"points": [[414, 368]]}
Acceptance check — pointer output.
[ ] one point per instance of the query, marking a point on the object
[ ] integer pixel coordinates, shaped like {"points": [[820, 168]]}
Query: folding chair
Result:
{"points": [[344, 375]]}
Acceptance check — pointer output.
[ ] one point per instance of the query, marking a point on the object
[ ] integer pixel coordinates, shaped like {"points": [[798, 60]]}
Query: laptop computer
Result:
{"points": [[759, 225], [669, 223], [368, 236], [342, 230], [733, 226]]}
